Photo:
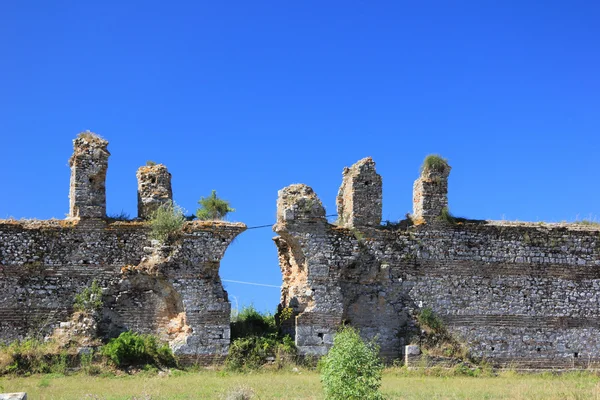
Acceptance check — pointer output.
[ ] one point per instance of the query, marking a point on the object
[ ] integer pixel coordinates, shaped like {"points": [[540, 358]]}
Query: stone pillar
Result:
{"points": [[359, 200], [89, 162], [298, 202], [430, 191], [154, 189]]}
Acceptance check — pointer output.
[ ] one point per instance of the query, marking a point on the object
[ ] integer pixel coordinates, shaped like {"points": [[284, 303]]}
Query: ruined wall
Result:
{"points": [[172, 290], [517, 293]]}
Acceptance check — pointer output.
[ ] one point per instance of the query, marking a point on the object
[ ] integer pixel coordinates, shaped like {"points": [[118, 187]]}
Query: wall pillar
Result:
{"points": [[359, 199], [154, 189], [430, 190], [89, 162]]}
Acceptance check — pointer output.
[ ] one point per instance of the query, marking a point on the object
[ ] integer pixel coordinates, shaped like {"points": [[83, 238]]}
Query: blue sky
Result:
{"points": [[249, 97]]}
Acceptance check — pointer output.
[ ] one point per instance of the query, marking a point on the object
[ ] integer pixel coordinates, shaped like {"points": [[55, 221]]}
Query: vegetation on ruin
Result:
{"points": [[213, 208], [32, 356], [166, 221], [434, 163], [121, 216], [435, 340], [352, 369], [150, 163], [256, 340], [89, 299], [89, 136], [137, 349]]}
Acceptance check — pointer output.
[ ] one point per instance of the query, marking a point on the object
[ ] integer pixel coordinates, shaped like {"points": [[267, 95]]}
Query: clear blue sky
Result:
{"points": [[248, 97]]}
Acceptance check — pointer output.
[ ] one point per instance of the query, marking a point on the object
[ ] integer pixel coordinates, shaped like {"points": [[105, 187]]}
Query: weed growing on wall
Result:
{"points": [[90, 299], [213, 208], [166, 221], [434, 163], [352, 368]]}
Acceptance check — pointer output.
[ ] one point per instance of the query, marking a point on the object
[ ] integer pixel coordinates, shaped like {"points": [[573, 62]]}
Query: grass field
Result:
{"points": [[397, 384]]}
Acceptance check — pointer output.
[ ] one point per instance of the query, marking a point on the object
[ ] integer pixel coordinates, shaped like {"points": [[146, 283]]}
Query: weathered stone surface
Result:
{"points": [[360, 195], [430, 194], [89, 162], [517, 293], [173, 290], [154, 189], [298, 202], [13, 396]]}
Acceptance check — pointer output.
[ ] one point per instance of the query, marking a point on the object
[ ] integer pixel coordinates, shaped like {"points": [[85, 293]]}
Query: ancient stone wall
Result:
{"points": [[517, 293], [172, 290]]}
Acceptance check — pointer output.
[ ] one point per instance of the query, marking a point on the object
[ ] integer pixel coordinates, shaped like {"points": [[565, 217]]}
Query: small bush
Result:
{"points": [[90, 299], [429, 321], [166, 221], [240, 393], [250, 322], [255, 339], [254, 351], [31, 356], [134, 349], [150, 163], [352, 368], [434, 163], [213, 208]]}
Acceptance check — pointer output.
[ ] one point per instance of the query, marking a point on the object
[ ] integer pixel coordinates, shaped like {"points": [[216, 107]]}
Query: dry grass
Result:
{"points": [[397, 384]]}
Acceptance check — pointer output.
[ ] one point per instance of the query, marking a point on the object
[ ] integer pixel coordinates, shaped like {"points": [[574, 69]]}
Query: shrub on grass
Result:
{"points": [[352, 368], [134, 349], [249, 322], [166, 221], [256, 339]]}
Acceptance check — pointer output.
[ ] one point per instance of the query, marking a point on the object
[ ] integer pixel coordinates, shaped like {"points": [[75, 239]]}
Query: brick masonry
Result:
{"points": [[523, 294]]}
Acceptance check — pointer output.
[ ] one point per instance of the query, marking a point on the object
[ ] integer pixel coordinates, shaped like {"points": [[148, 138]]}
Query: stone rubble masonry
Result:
{"points": [[360, 195], [154, 189], [430, 194], [173, 291], [89, 162], [524, 294]]}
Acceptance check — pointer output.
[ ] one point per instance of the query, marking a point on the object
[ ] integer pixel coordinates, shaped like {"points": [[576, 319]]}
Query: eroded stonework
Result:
{"points": [[517, 293], [154, 189], [172, 290]]}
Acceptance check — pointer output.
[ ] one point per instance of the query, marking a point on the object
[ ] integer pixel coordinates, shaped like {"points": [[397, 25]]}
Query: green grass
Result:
{"points": [[210, 384]]}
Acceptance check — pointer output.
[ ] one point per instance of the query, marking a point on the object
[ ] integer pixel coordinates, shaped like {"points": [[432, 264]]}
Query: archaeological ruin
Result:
{"points": [[172, 290], [521, 294]]}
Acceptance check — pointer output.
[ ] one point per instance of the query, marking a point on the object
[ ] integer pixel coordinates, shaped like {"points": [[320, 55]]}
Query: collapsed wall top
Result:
{"points": [[89, 162], [359, 200], [298, 201], [430, 190], [154, 189]]}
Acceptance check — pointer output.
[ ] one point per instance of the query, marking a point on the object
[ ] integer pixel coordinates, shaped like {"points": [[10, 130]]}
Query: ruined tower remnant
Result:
{"points": [[359, 198], [430, 191], [89, 162], [298, 202], [154, 189]]}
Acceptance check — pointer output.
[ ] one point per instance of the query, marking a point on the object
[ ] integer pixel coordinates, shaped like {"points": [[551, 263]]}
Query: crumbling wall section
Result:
{"points": [[173, 291], [522, 294]]}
